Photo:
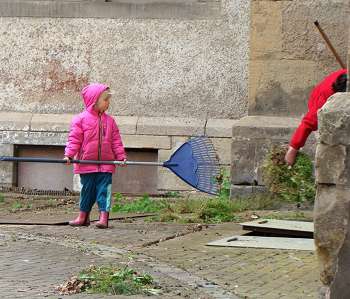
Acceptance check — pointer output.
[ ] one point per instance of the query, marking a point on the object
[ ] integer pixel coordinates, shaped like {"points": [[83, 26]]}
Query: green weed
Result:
{"points": [[115, 281], [292, 184]]}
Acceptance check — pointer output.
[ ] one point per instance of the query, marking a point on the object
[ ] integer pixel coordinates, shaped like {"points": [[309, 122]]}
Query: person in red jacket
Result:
{"points": [[335, 82]]}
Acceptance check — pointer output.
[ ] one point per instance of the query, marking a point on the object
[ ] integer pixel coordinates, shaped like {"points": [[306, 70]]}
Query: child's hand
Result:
{"points": [[124, 163], [68, 160]]}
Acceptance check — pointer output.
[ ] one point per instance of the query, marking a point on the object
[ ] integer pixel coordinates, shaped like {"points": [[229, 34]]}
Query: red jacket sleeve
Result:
{"points": [[117, 144], [309, 122]]}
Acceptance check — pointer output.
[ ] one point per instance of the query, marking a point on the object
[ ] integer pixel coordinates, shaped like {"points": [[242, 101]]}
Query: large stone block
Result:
{"points": [[222, 147], [51, 122], [170, 126], [12, 121], [144, 141], [266, 29], [35, 138], [272, 94], [219, 127], [264, 127], [168, 181], [238, 191], [6, 168], [334, 120], [331, 217], [127, 124], [242, 162], [332, 208], [330, 163]]}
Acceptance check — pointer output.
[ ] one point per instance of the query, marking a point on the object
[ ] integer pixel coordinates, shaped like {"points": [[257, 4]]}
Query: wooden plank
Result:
{"points": [[266, 243], [280, 227]]}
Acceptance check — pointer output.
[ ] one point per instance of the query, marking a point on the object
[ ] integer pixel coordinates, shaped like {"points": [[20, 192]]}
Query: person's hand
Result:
{"points": [[68, 160], [124, 163], [291, 156]]}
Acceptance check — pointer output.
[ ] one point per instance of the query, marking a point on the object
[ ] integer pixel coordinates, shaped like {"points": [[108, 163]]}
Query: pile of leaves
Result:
{"points": [[290, 183], [109, 280]]}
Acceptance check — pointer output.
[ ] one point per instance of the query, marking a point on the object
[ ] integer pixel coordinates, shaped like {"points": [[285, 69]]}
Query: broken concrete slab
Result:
{"points": [[280, 227], [266, 243]]}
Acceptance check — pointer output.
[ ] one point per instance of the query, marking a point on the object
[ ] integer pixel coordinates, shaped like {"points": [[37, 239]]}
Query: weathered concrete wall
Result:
{"points": [[288, 55], [183, 67], [332, 208]]}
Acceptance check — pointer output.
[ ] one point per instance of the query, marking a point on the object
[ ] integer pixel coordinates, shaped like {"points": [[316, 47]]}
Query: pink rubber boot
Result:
{"points": [[103, 222], [83, 219]]}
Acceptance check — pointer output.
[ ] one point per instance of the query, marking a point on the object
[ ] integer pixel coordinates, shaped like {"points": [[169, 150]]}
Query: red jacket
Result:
{"points": [[318, 98]]}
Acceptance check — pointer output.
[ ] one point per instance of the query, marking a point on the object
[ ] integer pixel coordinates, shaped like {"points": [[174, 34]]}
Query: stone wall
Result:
{"points": [[288, 55], [163, 58], [252, 138], [332, 208]]}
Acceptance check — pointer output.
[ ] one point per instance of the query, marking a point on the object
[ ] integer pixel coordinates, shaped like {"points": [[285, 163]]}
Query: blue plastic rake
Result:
{"points": [[195, 162]]}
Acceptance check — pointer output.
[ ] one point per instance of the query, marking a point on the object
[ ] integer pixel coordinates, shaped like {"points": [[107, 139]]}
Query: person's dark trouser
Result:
{"points": [[96, 186]]}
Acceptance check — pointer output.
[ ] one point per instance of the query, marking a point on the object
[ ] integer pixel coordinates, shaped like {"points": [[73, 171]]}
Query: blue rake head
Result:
{"points": [[196, 163]]}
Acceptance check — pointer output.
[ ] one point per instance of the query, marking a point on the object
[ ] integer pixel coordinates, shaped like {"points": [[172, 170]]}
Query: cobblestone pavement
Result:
{"points": [[250, 273], [34, 259]]}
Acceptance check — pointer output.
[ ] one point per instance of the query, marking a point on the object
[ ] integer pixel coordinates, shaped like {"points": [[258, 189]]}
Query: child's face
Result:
{"points": [[103, 102]]}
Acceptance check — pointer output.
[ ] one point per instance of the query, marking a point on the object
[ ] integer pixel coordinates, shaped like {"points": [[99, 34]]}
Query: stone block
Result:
{"points": [[331, 218], [334, 120], [219, 127], [170, 126], [6, 168], [266, 29], [51, 122], [238, 191], [126, 124], [35, 138], [330, 163], [145, 141], [262, 127], [168, 181], [13, 121], [222, 147], [273, 94], [242, 162]]}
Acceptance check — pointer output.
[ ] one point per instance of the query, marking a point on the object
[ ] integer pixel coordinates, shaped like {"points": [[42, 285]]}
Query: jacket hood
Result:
{"points": [[91, 93]]}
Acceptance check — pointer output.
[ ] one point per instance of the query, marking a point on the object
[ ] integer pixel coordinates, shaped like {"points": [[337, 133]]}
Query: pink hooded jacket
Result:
{"points": [[94, 136]]}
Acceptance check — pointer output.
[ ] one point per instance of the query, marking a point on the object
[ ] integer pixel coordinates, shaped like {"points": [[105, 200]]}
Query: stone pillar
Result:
{"points": [[332, 206]]}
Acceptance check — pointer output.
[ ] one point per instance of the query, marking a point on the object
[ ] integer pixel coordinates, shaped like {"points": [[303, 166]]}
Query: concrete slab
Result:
{"points": [[266, 242], [283, 227]]}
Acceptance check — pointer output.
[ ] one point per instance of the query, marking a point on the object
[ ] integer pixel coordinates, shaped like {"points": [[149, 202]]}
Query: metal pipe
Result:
{"points": [[61, 161]]}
